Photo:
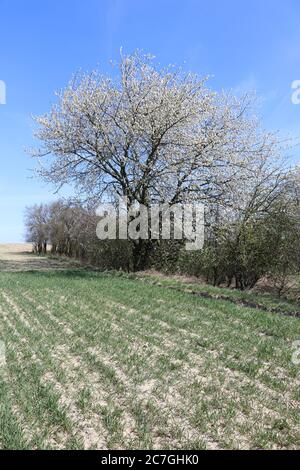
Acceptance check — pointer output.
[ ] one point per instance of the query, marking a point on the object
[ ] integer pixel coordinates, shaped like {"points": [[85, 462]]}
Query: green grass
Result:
{"points": [[106, 361], [265, 299]]}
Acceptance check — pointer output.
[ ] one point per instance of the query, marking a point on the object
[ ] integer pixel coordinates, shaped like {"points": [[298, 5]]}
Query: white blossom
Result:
{"points": [[156, 135]]}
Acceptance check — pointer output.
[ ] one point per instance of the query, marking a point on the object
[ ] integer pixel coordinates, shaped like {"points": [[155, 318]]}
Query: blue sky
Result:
{"points": [[244, 45]]}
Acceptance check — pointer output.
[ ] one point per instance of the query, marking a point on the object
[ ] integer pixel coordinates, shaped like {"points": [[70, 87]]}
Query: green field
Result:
{"points": [[105, 361]]}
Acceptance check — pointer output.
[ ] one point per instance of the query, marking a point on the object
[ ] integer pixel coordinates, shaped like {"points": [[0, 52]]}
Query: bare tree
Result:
{"points": [[37, 227]]}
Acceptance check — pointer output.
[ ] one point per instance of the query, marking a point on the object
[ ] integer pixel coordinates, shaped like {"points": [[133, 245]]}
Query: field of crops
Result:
{"points": [[99, 361]]}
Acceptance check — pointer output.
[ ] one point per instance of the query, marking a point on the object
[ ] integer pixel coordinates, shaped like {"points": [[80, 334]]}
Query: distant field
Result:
{"points": [[105, 361], [19, 257]]}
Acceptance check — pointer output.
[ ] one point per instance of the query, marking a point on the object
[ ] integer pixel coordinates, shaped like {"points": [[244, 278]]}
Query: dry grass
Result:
{"points": [[19, 257]]}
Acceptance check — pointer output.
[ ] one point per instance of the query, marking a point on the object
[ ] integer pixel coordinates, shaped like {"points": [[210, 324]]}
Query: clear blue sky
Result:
{"points": [[244, 45]]}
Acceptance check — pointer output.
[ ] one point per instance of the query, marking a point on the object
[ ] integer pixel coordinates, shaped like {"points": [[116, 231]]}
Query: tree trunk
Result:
{"points": [[140, 254]]}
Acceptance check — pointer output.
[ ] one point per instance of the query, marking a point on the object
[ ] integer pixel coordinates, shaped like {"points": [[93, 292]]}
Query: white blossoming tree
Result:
{"points": [[152, 135]]}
